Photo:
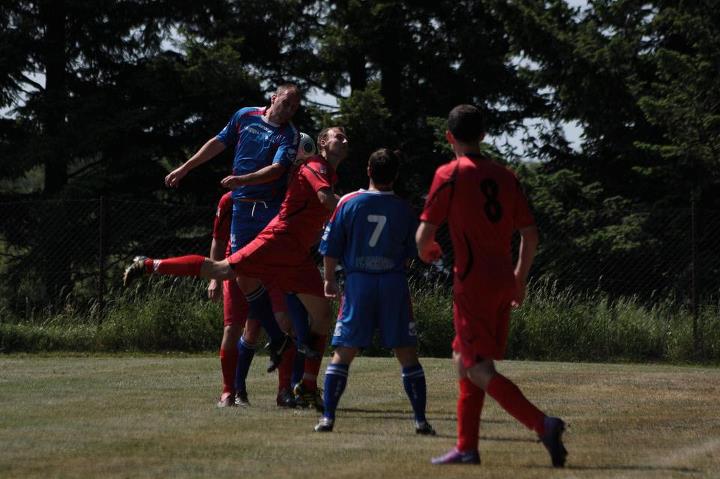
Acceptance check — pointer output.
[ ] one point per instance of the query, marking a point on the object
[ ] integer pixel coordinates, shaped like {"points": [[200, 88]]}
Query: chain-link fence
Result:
{"points": [[56, 252]]}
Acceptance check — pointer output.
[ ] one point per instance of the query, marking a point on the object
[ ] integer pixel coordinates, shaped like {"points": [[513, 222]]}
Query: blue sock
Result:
{"points": [[261, 309], [299, 317], [246, 352], [298, 368], [414, 382], [335, 381]]}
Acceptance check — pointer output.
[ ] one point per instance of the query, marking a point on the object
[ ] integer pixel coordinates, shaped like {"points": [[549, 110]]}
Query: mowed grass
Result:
{"points": [[155, 416]]}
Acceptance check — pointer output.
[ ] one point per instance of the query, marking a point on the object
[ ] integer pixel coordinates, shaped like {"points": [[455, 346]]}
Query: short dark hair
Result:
{"points": [[466, 123], [324, 134], [384, 165], [286, 86]]}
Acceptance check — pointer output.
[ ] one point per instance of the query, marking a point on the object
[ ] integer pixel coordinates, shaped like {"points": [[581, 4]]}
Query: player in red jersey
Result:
{"points": [[280, 255], [484, 205], [236, 321]]}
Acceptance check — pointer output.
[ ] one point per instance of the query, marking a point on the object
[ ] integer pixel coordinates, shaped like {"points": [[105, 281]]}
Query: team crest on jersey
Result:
{"points": [[412, 331], [338, 329]]}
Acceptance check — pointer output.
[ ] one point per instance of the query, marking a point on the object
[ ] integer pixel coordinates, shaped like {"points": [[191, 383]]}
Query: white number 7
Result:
{"points": [[380, 220]]}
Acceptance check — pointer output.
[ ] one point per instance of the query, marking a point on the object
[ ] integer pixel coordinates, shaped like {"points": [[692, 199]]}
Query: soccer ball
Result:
{"points": [[306, 148]]}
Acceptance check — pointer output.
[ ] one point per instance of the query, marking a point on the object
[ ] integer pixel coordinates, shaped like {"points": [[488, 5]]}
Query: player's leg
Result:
{"points": [[301, 327], [510, 398], [469, 408], [228, 363], [318, 308], [413, 377], [247, 345], [336, 377], [284, 397], [234, 316], [393, 310], [192, 265]]}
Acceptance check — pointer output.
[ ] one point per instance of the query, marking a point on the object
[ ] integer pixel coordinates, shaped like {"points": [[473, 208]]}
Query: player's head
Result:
{"points": [[333, 142], [465, 125], [306, 148], [284, 102], [383, 167]]}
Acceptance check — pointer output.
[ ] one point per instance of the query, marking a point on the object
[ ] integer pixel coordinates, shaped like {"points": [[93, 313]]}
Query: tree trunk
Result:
{"points": [[52, 115]]}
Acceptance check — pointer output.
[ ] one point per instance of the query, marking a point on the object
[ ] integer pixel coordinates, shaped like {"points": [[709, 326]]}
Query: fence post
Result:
{"points": [[102, 240], [693, 274]]}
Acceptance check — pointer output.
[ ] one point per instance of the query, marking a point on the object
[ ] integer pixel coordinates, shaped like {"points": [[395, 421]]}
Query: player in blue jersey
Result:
{"points": [[372, 234], [265, 144]]}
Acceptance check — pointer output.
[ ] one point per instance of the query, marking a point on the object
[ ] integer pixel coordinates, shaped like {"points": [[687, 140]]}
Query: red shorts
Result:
{"points": [[482, 322], [279, 261], [235, 307]]}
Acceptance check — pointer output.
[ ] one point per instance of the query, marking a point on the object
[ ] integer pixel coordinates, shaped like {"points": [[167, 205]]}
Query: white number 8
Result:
{"points": [[380, 221]]}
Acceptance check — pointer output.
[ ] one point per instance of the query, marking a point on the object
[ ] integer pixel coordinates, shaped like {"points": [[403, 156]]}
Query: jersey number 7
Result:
{"points": [[379, 221]]}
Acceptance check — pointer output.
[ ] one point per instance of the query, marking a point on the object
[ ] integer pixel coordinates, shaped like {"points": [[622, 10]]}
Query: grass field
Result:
{"points": [[155, 416]]}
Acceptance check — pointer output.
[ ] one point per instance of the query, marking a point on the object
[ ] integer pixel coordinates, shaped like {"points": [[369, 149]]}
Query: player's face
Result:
{"points": [[337, 143], [284, 105]]}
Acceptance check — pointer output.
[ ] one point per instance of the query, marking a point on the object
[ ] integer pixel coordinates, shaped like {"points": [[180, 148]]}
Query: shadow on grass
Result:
{"points": [[628, 467], [400, 414]]}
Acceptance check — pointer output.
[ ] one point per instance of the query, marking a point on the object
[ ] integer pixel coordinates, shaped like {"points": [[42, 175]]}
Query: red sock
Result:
{"points": [[228, 363], [469, 407], [285, 369], [507, 394], [178, 266], [312, 366]]}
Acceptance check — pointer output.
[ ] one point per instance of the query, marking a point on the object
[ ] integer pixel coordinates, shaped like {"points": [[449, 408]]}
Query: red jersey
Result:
{"points": [[301, 214], [484, 204]]}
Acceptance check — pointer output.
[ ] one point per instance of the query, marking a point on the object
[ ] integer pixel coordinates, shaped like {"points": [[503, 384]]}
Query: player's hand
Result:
{"points": [[173, 178], [331, 289], [231, 182], [431, 253], [520, 290], [214, 291]]}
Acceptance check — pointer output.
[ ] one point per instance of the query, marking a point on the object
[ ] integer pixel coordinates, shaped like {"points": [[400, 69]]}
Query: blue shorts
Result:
{"points": [[372, 301], [248, 220]]}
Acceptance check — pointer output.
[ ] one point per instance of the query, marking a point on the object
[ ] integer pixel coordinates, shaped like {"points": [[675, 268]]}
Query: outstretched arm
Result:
{"points": [[263, 175], [209, 150]]}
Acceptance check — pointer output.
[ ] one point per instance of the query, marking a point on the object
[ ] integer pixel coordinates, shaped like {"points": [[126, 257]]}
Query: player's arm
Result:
{"points": [[331, 286], [327, 198], [526, 254], [265, 174], [428, 249], [209, 150], [217, 253]]}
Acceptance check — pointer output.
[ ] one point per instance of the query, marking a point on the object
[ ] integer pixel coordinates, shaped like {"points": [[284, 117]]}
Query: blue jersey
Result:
{"points": [[371, 232], [258, 144]]}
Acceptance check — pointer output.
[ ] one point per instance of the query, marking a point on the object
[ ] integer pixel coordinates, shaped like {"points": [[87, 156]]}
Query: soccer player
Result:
{"points": [[372, 233], [280, 255], [234, 372], [265, 144], [483, 204]]}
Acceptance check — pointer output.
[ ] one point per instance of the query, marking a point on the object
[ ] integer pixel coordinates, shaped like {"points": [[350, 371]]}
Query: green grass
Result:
{"points": [[155, 416]]}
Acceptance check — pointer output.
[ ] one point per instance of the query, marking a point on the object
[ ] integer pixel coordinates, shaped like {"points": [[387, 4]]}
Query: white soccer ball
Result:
{"points": [[306, 148]]}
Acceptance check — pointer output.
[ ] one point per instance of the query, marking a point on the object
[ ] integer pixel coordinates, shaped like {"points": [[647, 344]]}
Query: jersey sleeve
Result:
{"points": [[522, 216], [229, 135], [334, 237], [223, 217], [437, 203], [317, 175], [288, 147]]}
